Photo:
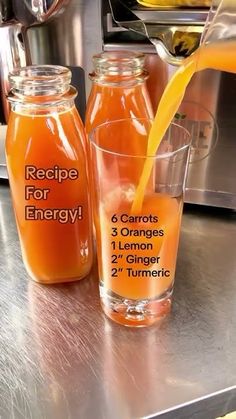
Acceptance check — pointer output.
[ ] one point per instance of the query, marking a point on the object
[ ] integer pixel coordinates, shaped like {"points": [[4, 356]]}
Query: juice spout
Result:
{"points": [[175, 32]]}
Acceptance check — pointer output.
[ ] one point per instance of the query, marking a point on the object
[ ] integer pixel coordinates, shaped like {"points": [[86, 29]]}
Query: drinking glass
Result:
{"points": [[137, 250]]}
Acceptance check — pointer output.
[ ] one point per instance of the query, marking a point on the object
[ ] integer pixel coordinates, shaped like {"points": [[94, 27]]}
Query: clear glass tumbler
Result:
{"points": [[137, 250]]}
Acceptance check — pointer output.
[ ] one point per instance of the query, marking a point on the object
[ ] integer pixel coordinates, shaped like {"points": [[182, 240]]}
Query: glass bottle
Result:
{"points": [[45, 153], [119, 90]]}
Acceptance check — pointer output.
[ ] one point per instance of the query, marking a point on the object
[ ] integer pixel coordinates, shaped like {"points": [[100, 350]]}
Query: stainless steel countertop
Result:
{"points": [[61, 358], [3, 168]]}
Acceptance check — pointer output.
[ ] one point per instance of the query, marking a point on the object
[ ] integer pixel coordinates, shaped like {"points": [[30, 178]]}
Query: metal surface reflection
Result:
{"points": [[61, 358]]}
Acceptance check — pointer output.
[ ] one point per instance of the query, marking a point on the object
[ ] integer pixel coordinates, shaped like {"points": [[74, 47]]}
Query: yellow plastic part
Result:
{"points": [[229, 416], [175, 3]]}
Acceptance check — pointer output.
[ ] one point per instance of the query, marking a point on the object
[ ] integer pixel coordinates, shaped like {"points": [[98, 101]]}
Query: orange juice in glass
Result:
{"points": [[137, 249]]}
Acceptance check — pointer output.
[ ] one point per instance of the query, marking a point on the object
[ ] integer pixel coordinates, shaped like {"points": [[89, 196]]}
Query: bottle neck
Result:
{"points": [[41, 89], [43, 105], [119, 80], [119, 69]]}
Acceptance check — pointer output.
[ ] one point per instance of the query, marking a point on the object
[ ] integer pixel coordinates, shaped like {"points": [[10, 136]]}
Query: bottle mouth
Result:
{"points": [[119, 68], [123, 63], [40, 80]]}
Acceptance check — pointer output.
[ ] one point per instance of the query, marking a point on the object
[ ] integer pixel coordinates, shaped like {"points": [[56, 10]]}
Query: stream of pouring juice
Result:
{"points": [[218, 56]]}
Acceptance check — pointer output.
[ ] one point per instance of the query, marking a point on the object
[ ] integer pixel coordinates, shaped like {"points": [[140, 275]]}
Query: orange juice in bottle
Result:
{"points": [[45, 152], [119, 92], [119, 89]]}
